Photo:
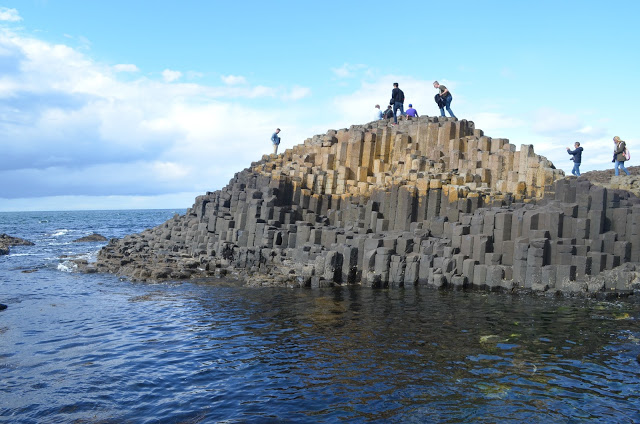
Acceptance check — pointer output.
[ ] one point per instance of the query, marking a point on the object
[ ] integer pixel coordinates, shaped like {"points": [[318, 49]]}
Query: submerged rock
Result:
{"points": [[91, 238]]}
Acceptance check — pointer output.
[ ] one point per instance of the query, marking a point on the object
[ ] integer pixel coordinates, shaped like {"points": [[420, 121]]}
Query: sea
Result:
{"points": [[98, 348]]}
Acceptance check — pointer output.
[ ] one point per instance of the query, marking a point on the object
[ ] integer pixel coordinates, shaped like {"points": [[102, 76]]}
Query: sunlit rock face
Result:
{"points": [[432, 201]]}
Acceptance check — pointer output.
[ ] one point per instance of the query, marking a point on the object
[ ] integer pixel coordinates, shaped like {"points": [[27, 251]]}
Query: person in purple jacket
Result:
{"points": [[411, 111]]}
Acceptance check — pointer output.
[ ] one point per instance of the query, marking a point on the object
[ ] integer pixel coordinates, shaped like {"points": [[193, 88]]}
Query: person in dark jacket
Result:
{"points": [[397, 101], [388, 114], [619, 156], [576, 157]]}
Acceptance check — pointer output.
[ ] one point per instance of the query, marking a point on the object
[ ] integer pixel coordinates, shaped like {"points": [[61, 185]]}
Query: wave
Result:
{"points": [[59, 233], [67, 266]]}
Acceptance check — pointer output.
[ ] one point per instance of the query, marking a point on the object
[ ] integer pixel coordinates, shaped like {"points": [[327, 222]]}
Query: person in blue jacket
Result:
{"points": [[275, 140], [576, 157]]}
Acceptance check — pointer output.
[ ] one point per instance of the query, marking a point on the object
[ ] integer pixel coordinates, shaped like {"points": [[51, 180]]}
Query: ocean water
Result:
{"points": [[95, 348]]}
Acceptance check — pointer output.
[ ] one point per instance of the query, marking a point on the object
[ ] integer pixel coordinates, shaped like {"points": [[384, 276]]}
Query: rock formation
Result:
{"points": [[432, 201], [7, 241], [91, 238]]}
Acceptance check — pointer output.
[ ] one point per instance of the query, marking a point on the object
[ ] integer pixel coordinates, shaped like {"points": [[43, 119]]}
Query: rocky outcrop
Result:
{"points": [[95, 237], [606, 178], [432, 202], [7, 241]]}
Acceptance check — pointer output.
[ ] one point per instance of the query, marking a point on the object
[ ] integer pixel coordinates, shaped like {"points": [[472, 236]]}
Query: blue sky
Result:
{"points": [[147, 104]]}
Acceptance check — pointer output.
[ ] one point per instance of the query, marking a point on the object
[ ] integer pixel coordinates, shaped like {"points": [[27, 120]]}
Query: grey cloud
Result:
{"points": [[24, 108]]}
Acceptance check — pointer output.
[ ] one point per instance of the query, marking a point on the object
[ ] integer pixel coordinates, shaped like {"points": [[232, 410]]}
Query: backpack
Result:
{"points": [[627, 154]]}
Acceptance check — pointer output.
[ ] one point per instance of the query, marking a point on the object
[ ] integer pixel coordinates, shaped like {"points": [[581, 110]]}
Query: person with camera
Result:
{"points": [[576, 157]]}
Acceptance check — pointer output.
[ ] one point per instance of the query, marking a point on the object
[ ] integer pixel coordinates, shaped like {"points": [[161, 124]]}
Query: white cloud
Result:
{"points": [[194, 75], [261, 91], [548, 121], [70, 127], [347, 70], [169, 76], [492, 122], [9, 15], [233, 79], [126, 67], [297, 93]]}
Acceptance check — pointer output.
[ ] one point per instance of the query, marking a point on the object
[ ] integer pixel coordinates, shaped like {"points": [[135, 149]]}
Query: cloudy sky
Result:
{"points": [[147, 104]]}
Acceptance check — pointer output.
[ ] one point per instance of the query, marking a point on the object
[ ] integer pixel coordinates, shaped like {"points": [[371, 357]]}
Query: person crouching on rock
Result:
{"points": [[388, 114], [619, 156], [576, 157]]}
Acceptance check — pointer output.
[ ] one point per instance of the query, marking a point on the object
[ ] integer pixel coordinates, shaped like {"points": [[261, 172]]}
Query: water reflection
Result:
{"points": [[106, 351], [401, 355]]}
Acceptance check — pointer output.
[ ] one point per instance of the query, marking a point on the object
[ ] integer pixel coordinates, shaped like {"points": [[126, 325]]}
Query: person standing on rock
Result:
{"points": [[619, 155], [397, 101], [412, 112], [445, 99], [378, 115], [576, 158], [276, 141]]}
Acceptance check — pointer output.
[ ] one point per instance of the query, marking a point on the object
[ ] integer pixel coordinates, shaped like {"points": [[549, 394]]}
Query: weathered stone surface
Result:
{"points": [[432, 201]]}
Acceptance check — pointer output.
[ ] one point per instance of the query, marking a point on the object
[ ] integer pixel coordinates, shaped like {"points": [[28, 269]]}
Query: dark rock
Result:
{"points": [[91, 238], [14, 241], [3, 307], [6, 241]]}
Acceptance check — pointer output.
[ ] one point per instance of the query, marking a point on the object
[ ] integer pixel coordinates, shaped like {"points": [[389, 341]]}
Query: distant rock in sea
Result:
{"points": [[2, 307], [6, 241], [91, 238]]}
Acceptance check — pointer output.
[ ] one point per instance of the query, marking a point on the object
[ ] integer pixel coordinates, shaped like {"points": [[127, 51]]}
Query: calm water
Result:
{"points": [[96, 349]]}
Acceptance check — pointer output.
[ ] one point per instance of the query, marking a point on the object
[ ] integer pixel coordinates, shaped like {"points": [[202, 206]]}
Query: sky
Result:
{"points": [[148, 104]]}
